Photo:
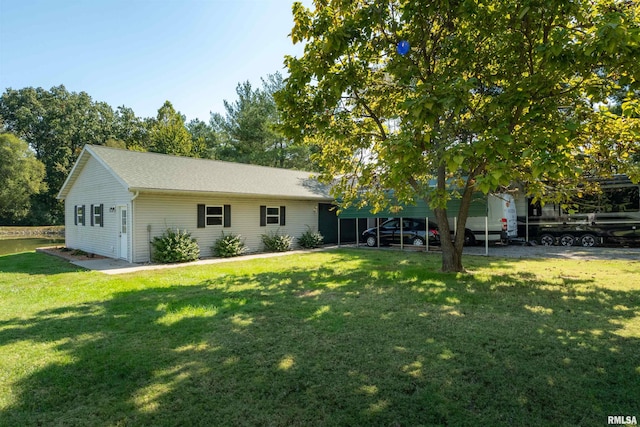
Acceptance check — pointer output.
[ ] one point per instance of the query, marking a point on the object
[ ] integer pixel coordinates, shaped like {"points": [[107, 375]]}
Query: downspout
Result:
{"points": [[135, 196]]}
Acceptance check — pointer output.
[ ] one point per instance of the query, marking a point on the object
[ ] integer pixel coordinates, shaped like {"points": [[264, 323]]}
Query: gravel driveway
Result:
{"points": [[562, 252]]}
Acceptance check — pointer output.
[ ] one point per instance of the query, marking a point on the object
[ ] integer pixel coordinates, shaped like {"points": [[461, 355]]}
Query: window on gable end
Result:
{"points": [[79, 217], [97, 215]]}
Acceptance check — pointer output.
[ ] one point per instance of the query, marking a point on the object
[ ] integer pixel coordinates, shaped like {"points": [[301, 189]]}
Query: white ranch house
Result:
{"points": [[117, 201]]}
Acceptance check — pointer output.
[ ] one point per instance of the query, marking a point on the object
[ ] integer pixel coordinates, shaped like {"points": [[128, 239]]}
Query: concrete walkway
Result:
{"points": [[120, 266]]}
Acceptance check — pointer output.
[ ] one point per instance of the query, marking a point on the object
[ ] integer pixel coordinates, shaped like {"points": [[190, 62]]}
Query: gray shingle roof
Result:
{"points": [[140, 171]]}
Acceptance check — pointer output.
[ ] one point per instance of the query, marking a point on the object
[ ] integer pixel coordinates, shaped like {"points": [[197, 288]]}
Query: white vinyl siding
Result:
{"points": [[95, 186], [155, 213]]}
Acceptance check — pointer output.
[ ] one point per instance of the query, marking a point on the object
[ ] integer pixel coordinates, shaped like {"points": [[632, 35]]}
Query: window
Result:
{"points": [[272, 215], [391, 225], [616, 199], [210, 216], [214, 215], [123, 221], [79, 215], [97, 215]]}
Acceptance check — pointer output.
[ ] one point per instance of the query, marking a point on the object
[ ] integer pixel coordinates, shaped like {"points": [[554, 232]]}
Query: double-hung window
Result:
{"points": [[97, 217], [214, 215], [79, 215], [272, 215]]}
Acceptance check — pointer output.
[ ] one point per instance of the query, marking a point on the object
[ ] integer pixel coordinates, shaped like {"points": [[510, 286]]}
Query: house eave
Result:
{"points": [[173, 192]]}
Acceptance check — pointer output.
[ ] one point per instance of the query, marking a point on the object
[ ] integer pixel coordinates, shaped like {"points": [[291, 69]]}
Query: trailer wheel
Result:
{"points": [[567, 240], [588, 240], [547, 240]]}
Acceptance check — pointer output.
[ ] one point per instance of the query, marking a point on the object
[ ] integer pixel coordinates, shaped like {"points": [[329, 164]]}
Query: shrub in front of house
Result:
{"points": [[175, 246], [229, 245], [275, 242], [310, 239]]}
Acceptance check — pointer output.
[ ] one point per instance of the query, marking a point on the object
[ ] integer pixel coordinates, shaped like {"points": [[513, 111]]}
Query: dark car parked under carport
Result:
{"points": [[413, 232]]}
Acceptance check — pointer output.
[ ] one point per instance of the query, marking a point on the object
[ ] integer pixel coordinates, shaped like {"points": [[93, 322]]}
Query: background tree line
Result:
{"points": [[43, 132]]}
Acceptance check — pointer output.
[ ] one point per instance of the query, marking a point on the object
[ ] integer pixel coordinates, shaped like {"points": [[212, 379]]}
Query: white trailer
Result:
{"points": [[500, 222]]}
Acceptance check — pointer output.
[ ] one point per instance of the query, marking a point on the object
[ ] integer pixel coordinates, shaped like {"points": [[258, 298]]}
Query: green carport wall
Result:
{"points": [[418, 210], [328, 225]]}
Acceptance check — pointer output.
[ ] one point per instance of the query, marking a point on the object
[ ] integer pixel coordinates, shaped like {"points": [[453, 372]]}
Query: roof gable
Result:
{"points": [[144, 171]]}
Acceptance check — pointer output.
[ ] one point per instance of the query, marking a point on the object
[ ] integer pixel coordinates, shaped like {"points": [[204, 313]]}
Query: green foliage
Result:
{"points": [[229, 245], [168, 133], [275, 242], [175, 246], [203, 139], [133, 131], [310, 239], [249, 131], [56, 124], [488, 95], [21, 176]]}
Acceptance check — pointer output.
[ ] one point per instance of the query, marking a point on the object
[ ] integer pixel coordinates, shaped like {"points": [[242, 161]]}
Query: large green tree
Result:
{"points": [[168, 133], [203, 138], [131, 130], [488, 93], [56, 124], [21, 176], [250, 130]]}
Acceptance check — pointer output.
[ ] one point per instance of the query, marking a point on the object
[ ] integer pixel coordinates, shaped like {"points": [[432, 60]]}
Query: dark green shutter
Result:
{"points": [[201, 218], [227, 215], [282, 215], [75, 215], [263, 216], [91, 213]]}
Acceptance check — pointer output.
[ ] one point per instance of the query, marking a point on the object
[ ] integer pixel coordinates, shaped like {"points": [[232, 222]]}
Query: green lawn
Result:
{"points": [[345, 337]]}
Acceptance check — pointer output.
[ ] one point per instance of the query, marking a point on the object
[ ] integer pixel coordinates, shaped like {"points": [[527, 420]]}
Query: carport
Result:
{"points": [[419, 209]]}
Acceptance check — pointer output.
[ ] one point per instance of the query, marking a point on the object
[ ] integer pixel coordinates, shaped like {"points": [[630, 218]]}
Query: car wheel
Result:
{"points": [[567, 240], [371, 241], [547, 240], [588, 240], [469, 238], [417, 241]]}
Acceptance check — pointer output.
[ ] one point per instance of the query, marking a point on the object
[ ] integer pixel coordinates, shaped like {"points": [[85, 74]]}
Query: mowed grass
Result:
{"points": [[344, 337]]}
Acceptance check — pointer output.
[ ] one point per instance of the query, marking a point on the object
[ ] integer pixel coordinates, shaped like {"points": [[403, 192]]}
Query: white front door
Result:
{"points": [[123, 231]]}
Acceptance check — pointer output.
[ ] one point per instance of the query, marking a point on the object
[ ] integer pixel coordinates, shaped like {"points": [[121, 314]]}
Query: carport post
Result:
{"points": [[486, 236], [427, 234], [401, 235], [357, 235], [338, 231], [378, 231]]}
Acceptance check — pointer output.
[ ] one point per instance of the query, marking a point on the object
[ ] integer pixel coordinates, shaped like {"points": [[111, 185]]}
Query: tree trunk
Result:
{"points": [[452, 251]]}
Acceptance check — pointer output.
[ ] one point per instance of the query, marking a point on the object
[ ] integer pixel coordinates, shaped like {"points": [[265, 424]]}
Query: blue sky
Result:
{"points": [[139, 53]]}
